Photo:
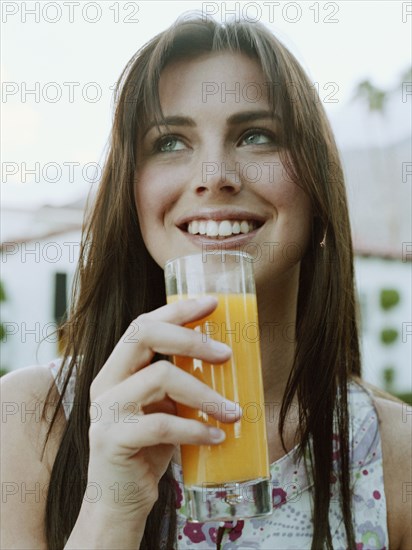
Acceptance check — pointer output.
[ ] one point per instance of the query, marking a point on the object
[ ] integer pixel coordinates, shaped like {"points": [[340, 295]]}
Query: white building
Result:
{"points": [[39, 253], [374, 275], [376, 151]]}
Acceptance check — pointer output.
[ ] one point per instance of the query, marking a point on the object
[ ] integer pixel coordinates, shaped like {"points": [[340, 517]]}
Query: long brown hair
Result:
{"points": [[117, 279]]}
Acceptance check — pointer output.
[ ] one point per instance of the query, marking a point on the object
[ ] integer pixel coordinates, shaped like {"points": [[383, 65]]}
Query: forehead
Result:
{"points": [[215, 78]]}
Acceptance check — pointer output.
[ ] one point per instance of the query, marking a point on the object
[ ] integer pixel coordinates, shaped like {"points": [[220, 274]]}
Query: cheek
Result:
{"points": [[292, 210], [278, 189], [154, 192], [295, 202]]}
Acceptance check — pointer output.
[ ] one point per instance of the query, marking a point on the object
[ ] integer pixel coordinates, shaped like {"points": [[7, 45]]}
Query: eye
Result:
{"points": [[168, 144], [257, 137]]}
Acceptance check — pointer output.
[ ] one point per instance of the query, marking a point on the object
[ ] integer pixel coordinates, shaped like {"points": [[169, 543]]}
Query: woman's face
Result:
{"points": [[213, 178]]}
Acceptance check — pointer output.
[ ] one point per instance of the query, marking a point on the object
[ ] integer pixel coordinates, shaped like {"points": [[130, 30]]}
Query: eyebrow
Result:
{"points": [[237, 118], [251, 116], [171, 121]]}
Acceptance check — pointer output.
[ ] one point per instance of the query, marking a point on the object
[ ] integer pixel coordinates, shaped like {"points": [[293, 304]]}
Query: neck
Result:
{"points": [[277, 321], [277, 303]]}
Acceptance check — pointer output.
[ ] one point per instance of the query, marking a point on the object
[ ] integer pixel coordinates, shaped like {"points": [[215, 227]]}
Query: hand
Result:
{"points": [[134, 439]]}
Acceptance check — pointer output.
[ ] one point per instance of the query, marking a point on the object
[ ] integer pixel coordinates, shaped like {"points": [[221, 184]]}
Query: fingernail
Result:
{"points": [[206, 300], [233, 408], [217, 435], [220, 347]]}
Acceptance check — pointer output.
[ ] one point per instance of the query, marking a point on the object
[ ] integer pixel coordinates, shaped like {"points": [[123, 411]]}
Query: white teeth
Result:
{"points": [[244, 227], [212, 228], [195, 227], [224, 228]]}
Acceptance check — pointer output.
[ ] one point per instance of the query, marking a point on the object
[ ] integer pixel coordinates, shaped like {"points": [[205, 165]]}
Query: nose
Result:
{"points": [[219, 177]]}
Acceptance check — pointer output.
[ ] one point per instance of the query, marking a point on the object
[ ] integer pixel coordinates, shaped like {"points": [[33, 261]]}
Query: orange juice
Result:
{"points": [[243, 455]]}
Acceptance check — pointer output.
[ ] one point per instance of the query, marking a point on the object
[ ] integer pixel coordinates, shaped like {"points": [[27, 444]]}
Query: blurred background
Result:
{"points": [[59, 64]]}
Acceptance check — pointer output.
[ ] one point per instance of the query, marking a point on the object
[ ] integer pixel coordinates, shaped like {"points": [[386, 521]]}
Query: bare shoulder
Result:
{"points": [[395, 421], [23, 395], [33, 380], [25, 473]]}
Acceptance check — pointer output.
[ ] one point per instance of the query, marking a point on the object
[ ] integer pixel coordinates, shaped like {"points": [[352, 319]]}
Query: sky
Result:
{"points": [[60, 61]]}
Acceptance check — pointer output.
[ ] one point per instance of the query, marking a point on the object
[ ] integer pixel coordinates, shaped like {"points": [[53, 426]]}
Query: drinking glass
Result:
{"points": [[229, 480]]}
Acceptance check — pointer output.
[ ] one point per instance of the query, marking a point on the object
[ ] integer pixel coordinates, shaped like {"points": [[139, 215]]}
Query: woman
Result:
{"points": [[199, 107]]}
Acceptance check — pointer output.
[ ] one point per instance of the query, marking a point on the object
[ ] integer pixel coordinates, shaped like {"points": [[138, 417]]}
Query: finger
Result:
{"points": [[145, 337], [165, 406], [179, 312], [159, 428], [157, 332], [164, 380], [184, 311], [168, 339]]}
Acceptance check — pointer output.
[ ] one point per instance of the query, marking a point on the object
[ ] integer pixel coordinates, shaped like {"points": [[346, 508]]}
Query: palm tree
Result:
{"points": [[375, 97]]}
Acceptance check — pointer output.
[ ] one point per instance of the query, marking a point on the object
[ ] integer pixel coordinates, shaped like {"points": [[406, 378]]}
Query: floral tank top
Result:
{"points": [[290, 525]]}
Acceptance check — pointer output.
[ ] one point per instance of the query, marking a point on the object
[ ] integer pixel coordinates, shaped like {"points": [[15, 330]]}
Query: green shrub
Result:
{"points": [[388, 336], [406, 397], [2, 292], [389, 298], [388, 375]]}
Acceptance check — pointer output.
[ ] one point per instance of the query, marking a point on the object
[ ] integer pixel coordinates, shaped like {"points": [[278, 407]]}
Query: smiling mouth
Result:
{"points": [[220, 229]]}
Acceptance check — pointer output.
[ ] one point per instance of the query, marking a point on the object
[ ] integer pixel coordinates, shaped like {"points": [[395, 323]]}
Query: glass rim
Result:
{"points": [[239, 253]]}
